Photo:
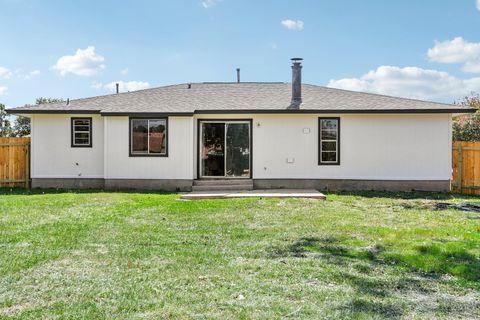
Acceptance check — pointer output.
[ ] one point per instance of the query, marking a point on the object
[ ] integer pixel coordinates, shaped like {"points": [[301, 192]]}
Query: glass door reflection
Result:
{"points": [[225, 149]]}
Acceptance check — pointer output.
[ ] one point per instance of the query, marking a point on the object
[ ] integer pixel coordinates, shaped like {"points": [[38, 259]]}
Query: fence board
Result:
{"points": [[466, 167], [14, 162]]}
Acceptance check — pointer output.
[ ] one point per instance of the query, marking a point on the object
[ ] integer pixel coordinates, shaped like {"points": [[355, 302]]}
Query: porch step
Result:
{"points": [[222, 185], [223, 182]]}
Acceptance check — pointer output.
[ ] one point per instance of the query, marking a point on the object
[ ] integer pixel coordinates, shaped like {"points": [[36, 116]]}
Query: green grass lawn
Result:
{"points": [[146, 255]]}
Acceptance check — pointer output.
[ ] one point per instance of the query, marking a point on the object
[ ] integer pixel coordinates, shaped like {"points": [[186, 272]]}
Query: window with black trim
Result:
{"points": [[81, 132], [329, 141], [148, 137]]}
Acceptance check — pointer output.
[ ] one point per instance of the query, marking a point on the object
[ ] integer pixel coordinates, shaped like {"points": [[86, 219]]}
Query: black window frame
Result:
{"points": [[336, 163], [130, 154], [72, 132]]}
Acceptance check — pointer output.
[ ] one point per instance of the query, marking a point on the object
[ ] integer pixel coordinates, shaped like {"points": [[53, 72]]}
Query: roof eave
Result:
{"points": [[27, 111], [253, 111], [147, 114], [337, 111]]}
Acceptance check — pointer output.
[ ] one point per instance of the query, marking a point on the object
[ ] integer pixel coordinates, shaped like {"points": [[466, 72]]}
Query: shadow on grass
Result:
{"points": [[360, 306], [467, 207], [37, 191], [328, 246], [432, 258], [360, 267], [405, 195], [455, 260]]}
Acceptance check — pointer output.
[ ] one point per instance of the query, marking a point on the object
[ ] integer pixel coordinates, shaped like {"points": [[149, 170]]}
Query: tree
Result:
{"points": [[467, 127], [5, 124], [21, 126]]}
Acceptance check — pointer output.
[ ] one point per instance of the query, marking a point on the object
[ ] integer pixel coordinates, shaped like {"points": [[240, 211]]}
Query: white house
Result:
{"points": [[242, 135]]}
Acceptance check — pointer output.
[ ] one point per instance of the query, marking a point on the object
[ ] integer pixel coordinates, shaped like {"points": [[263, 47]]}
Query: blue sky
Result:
{"points": [[427, 49]]}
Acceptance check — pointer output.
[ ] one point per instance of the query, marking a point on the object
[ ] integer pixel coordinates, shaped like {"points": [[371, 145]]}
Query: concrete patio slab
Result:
{"points": [[269, 193]]}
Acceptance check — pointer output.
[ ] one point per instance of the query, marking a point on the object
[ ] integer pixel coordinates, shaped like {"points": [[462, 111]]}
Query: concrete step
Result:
{"points": [[223, 182], [233, 187], [271, 193]]}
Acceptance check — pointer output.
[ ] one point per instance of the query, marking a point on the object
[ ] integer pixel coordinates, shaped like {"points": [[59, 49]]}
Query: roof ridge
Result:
{"points": [[243, 82]]}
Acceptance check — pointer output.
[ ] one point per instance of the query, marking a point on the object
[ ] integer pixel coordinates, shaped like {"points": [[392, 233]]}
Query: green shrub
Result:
{"points": [[467, 127]]}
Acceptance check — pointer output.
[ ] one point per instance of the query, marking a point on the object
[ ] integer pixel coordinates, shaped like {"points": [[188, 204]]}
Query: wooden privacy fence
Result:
{"points": [[466, 167], [14, 162]]}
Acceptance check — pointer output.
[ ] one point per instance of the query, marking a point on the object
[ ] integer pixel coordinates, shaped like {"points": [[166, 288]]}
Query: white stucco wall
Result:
{"points": [[389, 147], [52, 155], [178, 164]]}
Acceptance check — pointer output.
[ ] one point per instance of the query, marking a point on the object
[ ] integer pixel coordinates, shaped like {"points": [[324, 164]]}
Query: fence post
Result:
{"points": [[459, 167]]}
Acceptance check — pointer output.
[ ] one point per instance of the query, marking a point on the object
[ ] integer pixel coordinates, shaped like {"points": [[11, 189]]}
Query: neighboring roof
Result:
{"points": [[245, 97]]}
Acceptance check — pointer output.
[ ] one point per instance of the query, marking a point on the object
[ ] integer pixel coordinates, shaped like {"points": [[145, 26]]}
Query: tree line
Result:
{"points": [[467, 127], [20, 127]]}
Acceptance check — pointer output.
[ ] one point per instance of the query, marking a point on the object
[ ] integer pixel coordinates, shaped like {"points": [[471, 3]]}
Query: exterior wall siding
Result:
{"points": [[373, 147], [178, 164], [52, 154]]}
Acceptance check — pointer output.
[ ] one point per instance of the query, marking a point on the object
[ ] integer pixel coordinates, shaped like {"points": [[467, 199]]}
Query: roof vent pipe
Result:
{"points": [[238, 75], [117, 85], [296, 82]]}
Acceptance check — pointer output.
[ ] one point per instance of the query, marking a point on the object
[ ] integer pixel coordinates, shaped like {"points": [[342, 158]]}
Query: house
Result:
{"points": [[242, 135]]}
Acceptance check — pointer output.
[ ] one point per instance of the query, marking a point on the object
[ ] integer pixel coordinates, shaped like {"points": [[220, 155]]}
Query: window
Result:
{"points": [[81, 132], [329, 141], [148, 137]]}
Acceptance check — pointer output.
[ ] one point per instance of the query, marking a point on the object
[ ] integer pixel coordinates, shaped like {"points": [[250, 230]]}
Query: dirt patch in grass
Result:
{"points": [[16, 309]]}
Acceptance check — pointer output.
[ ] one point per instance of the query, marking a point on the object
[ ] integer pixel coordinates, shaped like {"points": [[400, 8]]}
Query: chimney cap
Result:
{"points": [[296, 59]]}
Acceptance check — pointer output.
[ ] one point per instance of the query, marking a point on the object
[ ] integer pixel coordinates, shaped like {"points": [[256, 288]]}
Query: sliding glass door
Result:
{"points": [[225, 149], [212, 150]]}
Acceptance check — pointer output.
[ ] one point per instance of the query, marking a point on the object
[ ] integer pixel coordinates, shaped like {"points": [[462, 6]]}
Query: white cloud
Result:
{"points": [[293, 24], [478, 5], [5, 73], [410, 82], [124, 71], [32, 74], [124, 86], [85, 62], [3, 90], [457, 51], [209, 3], [97, 85], [127, 85]]}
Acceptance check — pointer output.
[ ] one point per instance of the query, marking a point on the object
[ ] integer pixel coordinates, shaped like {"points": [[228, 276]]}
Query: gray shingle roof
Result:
{"points": [[239, 97]]}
